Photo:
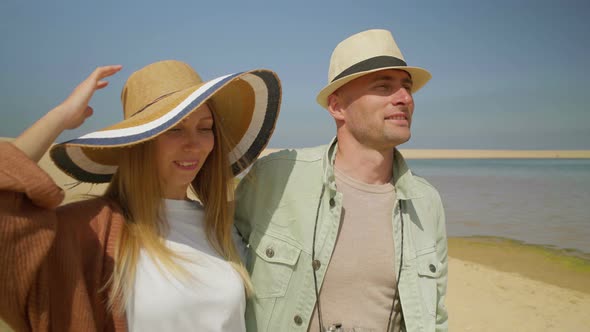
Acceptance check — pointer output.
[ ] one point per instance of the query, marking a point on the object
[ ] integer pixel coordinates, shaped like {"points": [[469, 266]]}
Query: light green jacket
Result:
{"points": [[276, 211]]}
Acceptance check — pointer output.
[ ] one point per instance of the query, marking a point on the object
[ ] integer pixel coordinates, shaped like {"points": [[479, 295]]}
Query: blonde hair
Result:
{"points": [[137, 189]]}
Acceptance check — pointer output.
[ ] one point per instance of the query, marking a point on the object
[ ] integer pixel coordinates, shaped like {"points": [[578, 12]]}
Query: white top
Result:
{"points": [[212, 300]]}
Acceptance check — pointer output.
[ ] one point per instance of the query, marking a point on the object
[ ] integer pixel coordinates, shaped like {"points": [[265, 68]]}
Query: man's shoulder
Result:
{"points": [[304, 155], [422, 182], [425, 187]]}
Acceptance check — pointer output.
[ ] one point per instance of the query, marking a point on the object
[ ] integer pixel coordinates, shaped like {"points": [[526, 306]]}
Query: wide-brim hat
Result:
{"points": [[364, 53], [160, 95]]}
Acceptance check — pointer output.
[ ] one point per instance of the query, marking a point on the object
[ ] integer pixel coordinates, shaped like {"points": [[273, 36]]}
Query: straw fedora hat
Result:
{"points": [[157, 97], [363, 53]]}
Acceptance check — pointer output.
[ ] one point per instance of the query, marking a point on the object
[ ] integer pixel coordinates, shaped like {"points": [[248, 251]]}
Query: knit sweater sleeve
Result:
{"points": [[54, 261], [28, 198]]}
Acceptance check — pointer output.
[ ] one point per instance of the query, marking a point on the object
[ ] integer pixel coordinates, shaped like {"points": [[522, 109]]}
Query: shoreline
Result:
{"points": [[494, 154], [564, 268]]}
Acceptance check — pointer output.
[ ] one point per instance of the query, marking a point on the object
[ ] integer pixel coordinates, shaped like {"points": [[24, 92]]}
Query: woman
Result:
{"points": [[143, 256]]}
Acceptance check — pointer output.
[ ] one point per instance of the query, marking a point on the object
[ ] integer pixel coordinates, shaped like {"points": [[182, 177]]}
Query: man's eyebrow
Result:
{"points": [[406, 80], [384, 78]]}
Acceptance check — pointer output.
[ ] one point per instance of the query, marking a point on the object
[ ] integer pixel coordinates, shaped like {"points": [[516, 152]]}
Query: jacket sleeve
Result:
{"points": [[28, 198], [245, 203], [442, 316]]}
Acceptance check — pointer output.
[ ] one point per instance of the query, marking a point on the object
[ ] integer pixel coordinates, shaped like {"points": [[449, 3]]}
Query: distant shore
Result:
{"points": [[485, 154], [495, 154], [471, 154]]}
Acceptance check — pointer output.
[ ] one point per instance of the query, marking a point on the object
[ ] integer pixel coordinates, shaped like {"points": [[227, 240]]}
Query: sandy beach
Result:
{"points": [[494, 284], [502, 285], [488, 294], [481, 298]]}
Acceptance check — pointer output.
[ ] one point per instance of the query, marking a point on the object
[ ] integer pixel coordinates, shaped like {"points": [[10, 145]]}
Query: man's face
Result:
{"points": [[377, 108]]}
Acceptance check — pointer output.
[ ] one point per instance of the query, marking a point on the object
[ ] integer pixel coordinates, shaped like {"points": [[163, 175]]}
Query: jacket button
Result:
{"points": [[432, 268], [298, 320], [316, 264], [270, 252], [332, 202]]}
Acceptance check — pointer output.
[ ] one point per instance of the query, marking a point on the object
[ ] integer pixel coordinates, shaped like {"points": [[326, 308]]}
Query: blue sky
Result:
{"points": [[506, 74]]}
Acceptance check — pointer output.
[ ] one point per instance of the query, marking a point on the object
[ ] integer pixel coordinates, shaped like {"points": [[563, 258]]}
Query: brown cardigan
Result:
{"points": [[53, 260]]}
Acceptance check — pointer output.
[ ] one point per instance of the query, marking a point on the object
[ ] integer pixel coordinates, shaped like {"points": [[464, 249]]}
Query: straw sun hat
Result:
{"points": [[363, 53], [157, 97]]}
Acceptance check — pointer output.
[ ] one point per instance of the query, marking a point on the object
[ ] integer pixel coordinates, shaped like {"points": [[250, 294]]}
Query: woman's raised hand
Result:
{"points": [[70, 114], [75, 108]]}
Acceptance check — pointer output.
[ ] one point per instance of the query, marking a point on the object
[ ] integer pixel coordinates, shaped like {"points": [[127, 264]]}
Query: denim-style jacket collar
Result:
{"points": [[403, 180]]}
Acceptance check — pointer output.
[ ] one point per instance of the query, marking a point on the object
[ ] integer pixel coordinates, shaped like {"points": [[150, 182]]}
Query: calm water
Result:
{"points": [[537, 201]]}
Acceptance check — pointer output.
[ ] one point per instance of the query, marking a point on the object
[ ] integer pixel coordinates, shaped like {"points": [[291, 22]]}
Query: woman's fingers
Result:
{"points": [[75, 108], [100, 73], [101, 84], [70, 114], [105, 71]]}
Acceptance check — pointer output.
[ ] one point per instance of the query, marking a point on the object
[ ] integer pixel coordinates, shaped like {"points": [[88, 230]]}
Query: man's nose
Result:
{"points": [[402, 97]]}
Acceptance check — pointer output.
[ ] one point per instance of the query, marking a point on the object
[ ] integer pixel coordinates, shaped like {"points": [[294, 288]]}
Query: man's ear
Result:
{"points": [[335, 106]]}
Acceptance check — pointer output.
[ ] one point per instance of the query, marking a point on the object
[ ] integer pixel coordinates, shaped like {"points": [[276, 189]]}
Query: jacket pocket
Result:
{"points": [[428, 268], [273, 261]]}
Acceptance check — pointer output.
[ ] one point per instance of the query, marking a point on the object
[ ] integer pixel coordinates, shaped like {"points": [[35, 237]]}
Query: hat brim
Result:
{"points": [[420, 77], [247, 104]]}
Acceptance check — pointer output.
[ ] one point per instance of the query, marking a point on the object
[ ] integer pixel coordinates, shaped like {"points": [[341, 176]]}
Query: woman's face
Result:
{"points": [[182, 150]]}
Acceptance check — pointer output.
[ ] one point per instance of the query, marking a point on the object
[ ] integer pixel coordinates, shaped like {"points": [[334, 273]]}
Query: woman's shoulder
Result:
{"points": [[21, 175], [96, 223], [99, 213]]}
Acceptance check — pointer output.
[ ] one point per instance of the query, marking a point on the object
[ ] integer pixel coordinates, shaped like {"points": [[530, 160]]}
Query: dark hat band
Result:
{"points": [[153, 102], [377, 62]]}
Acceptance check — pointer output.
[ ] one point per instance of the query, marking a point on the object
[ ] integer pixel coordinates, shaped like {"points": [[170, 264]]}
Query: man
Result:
{"points": [[344, 237]]}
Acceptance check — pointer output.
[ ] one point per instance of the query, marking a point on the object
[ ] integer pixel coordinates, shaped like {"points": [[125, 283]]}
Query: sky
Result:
{"points": [[507, 74]]}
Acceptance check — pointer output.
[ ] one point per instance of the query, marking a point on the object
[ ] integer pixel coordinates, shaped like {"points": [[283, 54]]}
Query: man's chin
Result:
{"points": [[400, 139]]}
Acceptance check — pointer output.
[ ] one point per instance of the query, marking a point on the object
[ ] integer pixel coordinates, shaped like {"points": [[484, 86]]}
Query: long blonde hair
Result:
{"points": [[137, 189]]}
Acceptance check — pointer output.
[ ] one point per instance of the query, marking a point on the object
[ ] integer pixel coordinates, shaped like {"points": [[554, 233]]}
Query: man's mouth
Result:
{"points": [[397, 117]]}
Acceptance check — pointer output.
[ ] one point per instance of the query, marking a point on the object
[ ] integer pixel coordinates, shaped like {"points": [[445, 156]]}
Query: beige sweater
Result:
{"points": [[54, 260]]}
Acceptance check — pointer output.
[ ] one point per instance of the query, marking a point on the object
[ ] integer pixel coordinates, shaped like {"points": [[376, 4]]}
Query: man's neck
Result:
{"points": [[364, 164]]}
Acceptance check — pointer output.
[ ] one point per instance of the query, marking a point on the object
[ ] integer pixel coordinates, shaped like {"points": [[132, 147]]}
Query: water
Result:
{"points": [[537, 201]]}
